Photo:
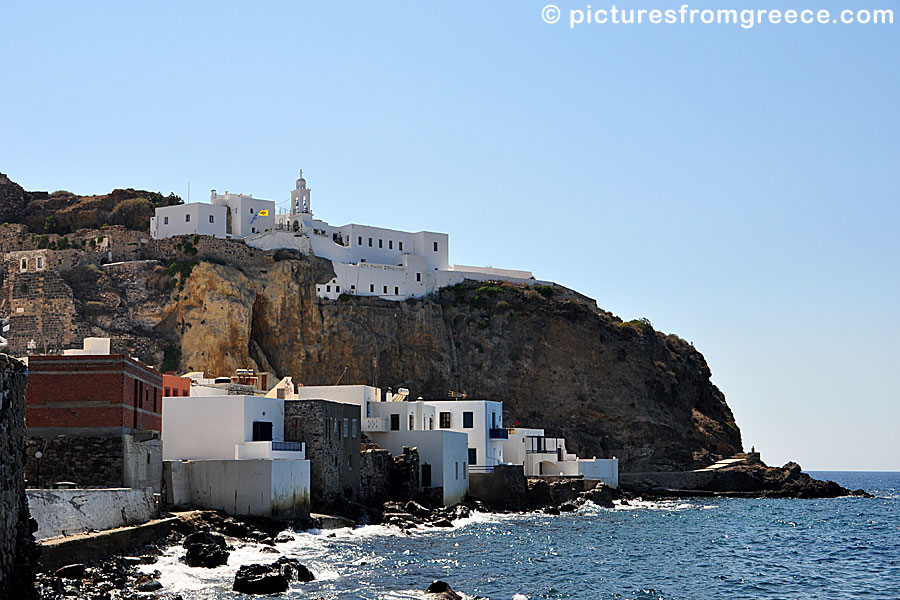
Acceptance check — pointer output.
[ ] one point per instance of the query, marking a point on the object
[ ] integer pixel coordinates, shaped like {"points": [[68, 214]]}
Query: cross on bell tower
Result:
{"points": [[300, 197]]}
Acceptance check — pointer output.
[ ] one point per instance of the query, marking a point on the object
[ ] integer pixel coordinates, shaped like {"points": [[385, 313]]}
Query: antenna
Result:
{"points": [[342, 376], [189, 191]]}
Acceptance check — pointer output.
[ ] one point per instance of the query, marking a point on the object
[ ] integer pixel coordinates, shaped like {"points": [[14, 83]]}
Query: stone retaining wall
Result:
{"points": [[65, 512], [17, 547]]}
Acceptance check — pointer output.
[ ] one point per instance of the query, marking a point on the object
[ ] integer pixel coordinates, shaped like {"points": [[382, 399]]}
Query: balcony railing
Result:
{"points": [[375, 424], [287, 446], [498, 433]]}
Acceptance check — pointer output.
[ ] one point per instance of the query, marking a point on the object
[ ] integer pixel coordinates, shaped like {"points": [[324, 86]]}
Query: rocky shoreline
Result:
{"points": [[210, 536]]}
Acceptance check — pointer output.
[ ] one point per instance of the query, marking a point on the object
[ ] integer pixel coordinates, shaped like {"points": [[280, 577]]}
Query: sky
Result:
{"points": [[738, 187]]}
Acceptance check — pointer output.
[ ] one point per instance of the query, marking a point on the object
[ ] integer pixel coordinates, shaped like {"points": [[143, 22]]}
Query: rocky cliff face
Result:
{"points": [[555, 360]]}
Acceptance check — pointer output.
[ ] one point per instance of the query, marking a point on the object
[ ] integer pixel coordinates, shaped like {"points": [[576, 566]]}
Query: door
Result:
{"points": [[426, 475]]}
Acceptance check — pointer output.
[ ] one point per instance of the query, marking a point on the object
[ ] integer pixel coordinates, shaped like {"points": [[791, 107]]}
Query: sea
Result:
{"points": [[666, 550]]}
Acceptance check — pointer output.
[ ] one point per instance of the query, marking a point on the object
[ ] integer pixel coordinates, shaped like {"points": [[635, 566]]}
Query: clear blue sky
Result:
{"points": [[737, 187]]}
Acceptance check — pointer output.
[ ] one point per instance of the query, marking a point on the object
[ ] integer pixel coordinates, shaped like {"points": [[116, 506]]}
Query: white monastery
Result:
{"points": [[368, 261]]}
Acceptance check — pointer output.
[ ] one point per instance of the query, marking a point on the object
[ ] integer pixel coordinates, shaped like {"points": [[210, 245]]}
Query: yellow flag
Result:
{"points": [[264, 213]]}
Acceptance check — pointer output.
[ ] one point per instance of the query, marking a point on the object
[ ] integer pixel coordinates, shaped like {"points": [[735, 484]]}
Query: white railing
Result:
{"points": [[376, 424]]}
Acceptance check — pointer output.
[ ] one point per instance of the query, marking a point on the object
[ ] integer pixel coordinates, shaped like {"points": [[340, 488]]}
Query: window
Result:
{"points": [[380, 244], [353, 428], [457, 469], [401, 246], [390, 244], [465, 470], [165, 220], [187, 218], [359, 241], [327, 428], [253, 230], [337, 288], [24, 264], [370, 242], [418, 277], [435, 246], [467, 419], [395, 422], [262, 431], [385, 289], [372, 288], [212, 219], [40, 262], [396, 291], [168, 392], [346, 427], [426, 475], [473, 456], [412, 422], [327, 288], [251, 211], [445, 420]]}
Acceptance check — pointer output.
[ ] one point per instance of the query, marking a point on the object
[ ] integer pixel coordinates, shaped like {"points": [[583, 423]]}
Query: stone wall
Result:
{"points": [[17, 548], [89, 461], [374, 476], [404, 479], [504, 488], [332, 450]]}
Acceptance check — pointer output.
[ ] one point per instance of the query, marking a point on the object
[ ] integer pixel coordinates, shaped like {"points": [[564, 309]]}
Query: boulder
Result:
{"points": [[442, 523], [74, 571], [204, 537], [441, 590], [273, 578], [205, 549], [568, 507], [601, 495], [149, 586], [417, 510]]}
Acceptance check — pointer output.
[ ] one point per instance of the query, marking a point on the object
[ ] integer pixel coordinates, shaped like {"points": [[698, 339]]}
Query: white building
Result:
{"points": [[481, 421], [546, 456], [226, 216], [374, 261], [396, 422], [228, 452]]}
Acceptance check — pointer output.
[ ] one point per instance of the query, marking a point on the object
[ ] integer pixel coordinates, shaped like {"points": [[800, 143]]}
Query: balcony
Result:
{"points": [[287, 446], [375, 424], [498, 433], [269, 450]]}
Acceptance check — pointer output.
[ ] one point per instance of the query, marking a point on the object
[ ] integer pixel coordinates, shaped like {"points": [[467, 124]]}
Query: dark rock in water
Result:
{"points": [[568, 507], [601, 495], [205, 555], [461, 511], [417, 510], [551, 510], [442, 523], [283, 538], [273, 578], [441, 590], [269, 550], [149, 586], [235, 529], [74, 571], [205, 549], [204, 537]]}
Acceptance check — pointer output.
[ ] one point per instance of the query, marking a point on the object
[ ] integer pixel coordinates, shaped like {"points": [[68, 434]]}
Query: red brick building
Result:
{"points": [[94, 420], [174, 386], [96, 392]]}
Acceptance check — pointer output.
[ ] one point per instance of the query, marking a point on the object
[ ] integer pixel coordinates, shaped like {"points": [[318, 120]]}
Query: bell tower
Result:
{"points": [[300, 197]]}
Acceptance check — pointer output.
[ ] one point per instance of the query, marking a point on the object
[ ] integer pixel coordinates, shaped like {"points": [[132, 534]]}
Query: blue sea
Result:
{"points": [[682, 549]]}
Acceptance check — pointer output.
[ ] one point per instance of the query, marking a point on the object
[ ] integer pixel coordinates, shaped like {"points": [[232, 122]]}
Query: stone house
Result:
{"points": [[331, 432]]}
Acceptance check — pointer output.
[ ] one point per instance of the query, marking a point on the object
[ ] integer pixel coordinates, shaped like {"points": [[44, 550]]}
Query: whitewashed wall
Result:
{"points": [[66, 512]]}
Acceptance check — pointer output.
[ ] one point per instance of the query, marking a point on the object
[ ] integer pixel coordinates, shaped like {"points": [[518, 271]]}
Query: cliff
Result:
{"points": [[552, 356]]}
